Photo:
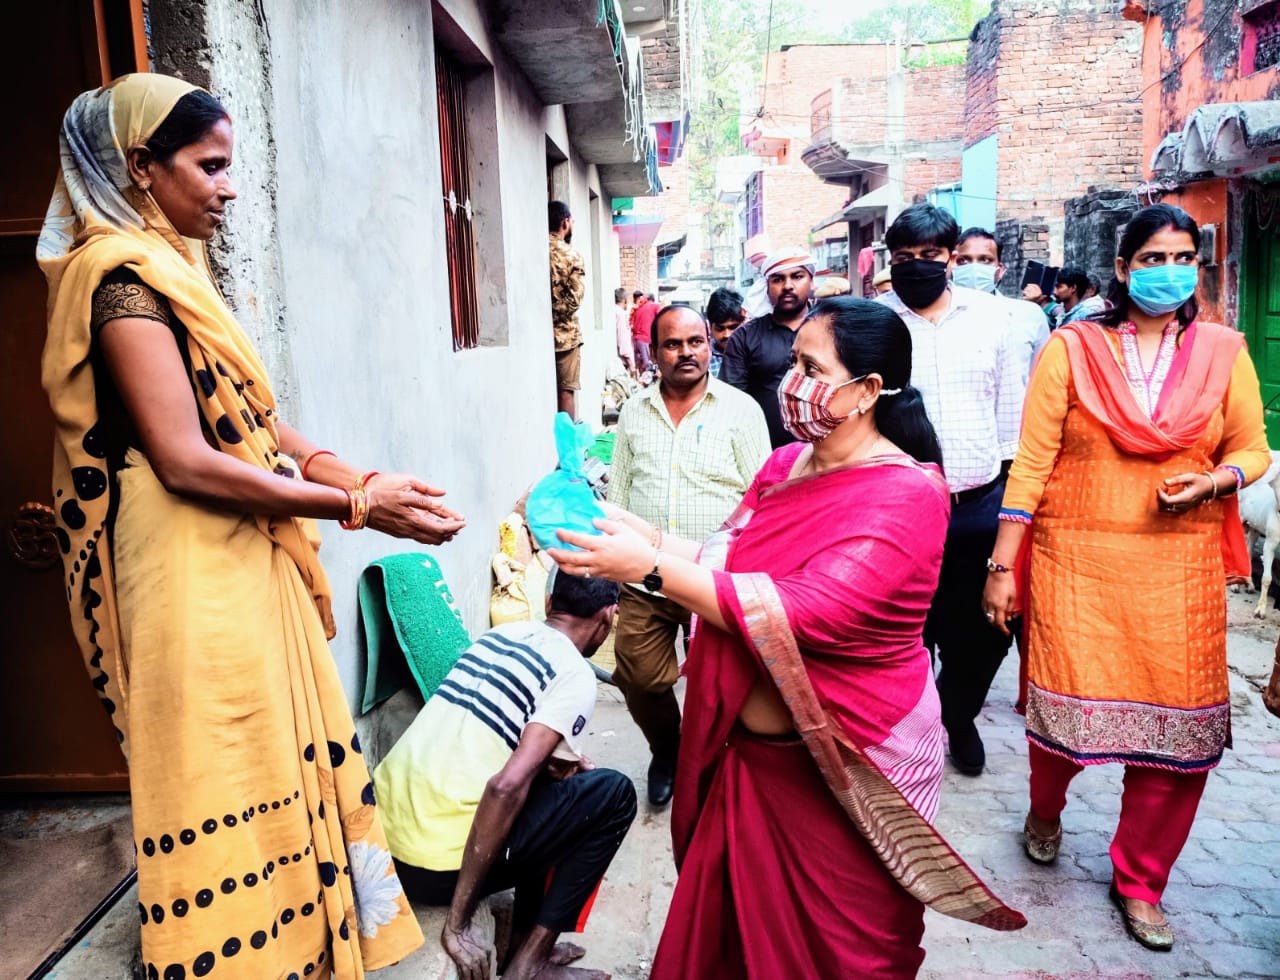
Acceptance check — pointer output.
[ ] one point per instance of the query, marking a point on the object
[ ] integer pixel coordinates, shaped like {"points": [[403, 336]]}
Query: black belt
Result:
{"points": [[964, 496]]}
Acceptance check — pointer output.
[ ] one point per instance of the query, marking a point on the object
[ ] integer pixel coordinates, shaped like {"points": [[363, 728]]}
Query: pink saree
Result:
{"points": [[813, 856]]}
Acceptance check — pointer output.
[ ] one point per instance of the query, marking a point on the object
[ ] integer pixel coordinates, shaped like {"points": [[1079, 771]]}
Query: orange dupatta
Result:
{"points": [[1194, 390]]}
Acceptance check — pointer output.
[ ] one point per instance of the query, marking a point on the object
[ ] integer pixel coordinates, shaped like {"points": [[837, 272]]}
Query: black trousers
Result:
{"points": [[969, 649], [556, 854]]}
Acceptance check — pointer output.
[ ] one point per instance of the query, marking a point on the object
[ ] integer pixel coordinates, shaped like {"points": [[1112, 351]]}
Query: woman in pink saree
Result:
{"points": [[811, 752]]}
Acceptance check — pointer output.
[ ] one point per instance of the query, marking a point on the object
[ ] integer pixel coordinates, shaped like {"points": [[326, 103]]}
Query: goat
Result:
{"points": [[1260, 513]]}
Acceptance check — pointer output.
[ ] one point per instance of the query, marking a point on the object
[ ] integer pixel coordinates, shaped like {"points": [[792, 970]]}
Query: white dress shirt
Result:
{"points": [[971, 369], [1030, 327]]}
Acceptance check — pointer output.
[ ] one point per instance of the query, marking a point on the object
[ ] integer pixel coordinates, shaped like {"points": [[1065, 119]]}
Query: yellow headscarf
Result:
{"points": [[97, 222]]}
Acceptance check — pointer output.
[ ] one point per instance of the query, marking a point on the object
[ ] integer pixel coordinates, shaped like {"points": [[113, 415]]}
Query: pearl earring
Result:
{"points": [[144, 185]]}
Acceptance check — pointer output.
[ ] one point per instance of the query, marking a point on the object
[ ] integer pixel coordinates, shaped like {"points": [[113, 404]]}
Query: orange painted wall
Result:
{"points": [[1201, 70], [1190, 58], [1206, 201]]}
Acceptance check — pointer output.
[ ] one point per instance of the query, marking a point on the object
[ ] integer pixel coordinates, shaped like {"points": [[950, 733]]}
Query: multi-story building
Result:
{"points": [[388, 253], [783, 199], [889, 132], [1211, 134], [1051, 114], [653, 231]]}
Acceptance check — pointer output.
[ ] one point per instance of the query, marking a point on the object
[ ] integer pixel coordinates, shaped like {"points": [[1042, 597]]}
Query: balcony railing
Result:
{"points": [[820, 117]]}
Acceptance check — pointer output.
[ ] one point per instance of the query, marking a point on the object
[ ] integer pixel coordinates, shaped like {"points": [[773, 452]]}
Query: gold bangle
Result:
{"points": [[1212, 483], [359, 510]]}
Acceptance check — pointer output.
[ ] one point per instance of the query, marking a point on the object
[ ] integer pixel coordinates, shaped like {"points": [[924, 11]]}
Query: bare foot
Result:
{"points": [[565, 953]]}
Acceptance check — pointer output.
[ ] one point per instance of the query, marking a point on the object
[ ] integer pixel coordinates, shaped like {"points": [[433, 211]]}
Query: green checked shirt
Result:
{"points": [[687, 480]]}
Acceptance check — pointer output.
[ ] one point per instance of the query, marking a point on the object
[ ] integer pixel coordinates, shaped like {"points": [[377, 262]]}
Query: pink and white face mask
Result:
{"points": [[803, 402]]}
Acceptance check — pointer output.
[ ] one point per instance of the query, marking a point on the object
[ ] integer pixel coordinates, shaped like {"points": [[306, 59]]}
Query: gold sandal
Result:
{"points": [[1155, 936], [1041, 849]]}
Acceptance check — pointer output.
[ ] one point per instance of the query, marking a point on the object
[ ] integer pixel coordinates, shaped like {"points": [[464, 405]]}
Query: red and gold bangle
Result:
{"points": [[319, 452], [359, 510], [364, 480]]}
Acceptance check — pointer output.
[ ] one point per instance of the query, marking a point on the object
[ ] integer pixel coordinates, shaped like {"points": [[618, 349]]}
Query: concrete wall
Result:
{"points": [[978, 180], [334, 260], [1092, 225], [1020, 242]]}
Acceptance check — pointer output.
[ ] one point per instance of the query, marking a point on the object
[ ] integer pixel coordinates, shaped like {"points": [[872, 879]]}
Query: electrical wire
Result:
{"points": [[768, 47]]}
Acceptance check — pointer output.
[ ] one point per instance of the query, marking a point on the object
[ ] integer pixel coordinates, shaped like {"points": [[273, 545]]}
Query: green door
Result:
{"points": [[1260, 299]]}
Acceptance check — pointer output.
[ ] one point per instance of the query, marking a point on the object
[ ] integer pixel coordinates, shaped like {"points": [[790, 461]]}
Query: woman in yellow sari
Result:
{"points": [[1139, 428], [187, 531]]}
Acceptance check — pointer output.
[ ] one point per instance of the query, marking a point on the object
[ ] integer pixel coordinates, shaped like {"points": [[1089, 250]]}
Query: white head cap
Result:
{"points": [[787, 259]]}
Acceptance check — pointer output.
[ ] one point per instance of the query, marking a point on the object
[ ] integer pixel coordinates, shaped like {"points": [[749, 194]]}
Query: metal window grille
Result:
{"points": [[1267, 53], [754, 210], [459, 230]]}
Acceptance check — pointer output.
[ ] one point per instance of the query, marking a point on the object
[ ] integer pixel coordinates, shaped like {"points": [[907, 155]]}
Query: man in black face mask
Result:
{"points": [[970, 369]]}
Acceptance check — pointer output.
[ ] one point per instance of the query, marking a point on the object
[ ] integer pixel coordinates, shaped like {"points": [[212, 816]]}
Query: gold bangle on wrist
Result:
{"points": [[359, 501], [1213, 484]]}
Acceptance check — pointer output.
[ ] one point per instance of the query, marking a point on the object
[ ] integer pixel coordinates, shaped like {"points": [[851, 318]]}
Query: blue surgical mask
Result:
{"points": [[975, 275], [1162, 289]]}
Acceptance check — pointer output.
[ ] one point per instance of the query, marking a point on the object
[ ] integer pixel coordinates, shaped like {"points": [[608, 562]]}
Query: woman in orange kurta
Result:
{"points": [[1139, 428]]}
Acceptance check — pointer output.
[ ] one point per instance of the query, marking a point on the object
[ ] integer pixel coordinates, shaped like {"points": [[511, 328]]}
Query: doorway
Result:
{"points": [[1260, 297], [56, 735], [65, 832]]}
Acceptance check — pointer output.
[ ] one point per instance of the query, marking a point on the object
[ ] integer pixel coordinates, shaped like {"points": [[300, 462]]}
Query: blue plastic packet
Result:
{"points": [[563, 498]]}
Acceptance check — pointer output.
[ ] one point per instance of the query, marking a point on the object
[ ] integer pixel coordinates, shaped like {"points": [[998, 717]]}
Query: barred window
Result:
{"points": [[754, 210], [459, 227]]}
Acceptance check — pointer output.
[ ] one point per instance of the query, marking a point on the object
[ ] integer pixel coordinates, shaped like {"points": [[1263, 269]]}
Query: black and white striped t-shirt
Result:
{"points": [[430, 784]]}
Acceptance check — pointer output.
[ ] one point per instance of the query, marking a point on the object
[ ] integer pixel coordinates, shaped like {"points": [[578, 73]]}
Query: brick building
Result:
{"points": [[1211, 136], [650, 228], [1051, 112], [890, 136], [784, 199]]}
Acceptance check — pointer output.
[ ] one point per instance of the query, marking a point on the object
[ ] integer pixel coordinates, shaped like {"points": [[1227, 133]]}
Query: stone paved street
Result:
{"points": [[1223, 899]]}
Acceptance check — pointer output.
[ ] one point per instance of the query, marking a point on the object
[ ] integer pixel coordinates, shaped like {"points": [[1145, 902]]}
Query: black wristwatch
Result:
{"points": [[653, 581]]}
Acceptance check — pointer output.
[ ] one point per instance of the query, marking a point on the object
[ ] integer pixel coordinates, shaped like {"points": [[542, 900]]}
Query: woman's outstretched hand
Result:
{"points": [[405, 507], [618, 553]]}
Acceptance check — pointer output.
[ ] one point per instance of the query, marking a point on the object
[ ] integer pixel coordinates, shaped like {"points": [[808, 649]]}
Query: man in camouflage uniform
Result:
{"points": [[567, 286]]}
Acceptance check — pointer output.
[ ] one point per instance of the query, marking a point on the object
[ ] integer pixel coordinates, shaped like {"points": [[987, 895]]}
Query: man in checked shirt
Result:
{"points": [[971, 370], [687, 449]]}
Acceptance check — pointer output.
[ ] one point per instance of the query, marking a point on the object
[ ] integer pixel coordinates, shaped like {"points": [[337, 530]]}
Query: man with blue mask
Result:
{"points": [[978, 266]]}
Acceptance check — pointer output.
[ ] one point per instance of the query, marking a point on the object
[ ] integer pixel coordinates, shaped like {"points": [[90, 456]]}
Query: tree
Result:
{"points": [[914, 21]]}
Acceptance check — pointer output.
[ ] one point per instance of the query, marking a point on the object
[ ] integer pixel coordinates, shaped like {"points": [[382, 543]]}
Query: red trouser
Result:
{"points": [[1156, 812]]}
